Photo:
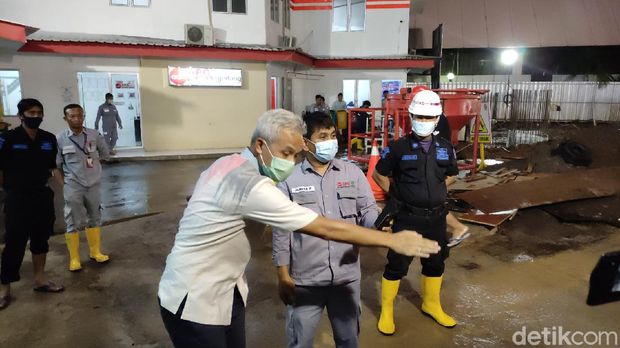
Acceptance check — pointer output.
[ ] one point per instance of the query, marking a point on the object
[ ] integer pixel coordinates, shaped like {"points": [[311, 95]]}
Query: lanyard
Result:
{"points": [[83, 149]]}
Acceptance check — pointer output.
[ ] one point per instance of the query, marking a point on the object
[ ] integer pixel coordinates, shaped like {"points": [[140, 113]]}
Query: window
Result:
{"points": [[275, 11], [119, 2], [229, 6], [10, 91], [356, 91], [287, 14], [348, 15]]}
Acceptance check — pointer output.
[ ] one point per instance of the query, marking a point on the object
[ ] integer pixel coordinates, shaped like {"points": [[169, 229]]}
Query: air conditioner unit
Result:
{"points": [[197, 34]]}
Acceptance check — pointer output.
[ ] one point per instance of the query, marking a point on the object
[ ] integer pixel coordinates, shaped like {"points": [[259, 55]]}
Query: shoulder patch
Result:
{"points": [[442, 154], [385, 152], [47, 146]]}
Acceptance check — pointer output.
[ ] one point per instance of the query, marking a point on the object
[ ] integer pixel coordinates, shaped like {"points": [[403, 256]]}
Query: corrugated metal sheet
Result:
{"points": [[134, 40], [577, 101]]}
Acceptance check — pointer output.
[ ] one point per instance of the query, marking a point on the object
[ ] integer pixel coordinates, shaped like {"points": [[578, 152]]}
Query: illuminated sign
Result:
{"points": [[203, 77]]}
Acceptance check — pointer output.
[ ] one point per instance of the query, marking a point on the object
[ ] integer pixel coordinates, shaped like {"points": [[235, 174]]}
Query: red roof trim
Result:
{"points": [[310, 8], [386, 6], [311, 1], [218, 53], [12, 32]]}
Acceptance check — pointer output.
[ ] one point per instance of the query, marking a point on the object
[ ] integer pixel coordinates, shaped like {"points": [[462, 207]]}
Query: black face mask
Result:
{"points": [[33, 122]]}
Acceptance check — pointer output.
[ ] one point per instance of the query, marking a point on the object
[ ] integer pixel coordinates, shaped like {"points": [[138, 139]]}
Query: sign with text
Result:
{"points": [[203, 77]]}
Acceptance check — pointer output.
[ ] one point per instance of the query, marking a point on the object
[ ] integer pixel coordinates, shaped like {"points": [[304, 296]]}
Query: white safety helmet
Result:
{"points": [[426, 103]]}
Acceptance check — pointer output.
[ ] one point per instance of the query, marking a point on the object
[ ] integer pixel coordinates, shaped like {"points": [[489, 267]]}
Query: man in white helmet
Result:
{"points": [[419, 164]]}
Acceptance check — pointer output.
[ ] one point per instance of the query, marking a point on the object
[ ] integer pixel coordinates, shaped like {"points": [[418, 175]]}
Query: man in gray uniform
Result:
{"points": [[110, 116], [315, 273], [80, 149]]}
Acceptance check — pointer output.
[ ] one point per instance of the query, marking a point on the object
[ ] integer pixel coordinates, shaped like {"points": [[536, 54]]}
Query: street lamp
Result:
{"points": [[509, 56], [450, 76]]}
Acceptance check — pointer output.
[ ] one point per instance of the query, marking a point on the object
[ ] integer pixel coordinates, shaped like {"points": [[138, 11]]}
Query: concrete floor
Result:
{"points": [[115, 305]]}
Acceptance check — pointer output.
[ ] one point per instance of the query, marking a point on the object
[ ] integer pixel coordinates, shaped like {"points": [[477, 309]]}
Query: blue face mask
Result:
{"points": [[325, 150], [279, 170]]}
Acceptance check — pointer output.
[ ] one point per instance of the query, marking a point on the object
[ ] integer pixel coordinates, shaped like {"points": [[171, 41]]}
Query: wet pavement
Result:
{"points": [[534, 273]]}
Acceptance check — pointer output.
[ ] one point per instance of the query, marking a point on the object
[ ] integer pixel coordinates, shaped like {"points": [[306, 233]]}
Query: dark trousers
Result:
{"points": [[29, 215], [187, 334], [429, 226]]}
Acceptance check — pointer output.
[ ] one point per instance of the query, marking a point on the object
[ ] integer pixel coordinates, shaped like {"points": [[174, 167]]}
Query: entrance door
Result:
{"points": [[126, 92]]}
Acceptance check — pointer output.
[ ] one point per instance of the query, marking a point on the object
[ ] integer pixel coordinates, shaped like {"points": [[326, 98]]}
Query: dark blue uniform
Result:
{"points": [[419, 183], [29, 203]]}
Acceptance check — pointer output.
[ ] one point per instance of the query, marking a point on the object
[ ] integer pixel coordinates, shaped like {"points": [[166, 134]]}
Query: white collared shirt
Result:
{"points": [[211, 250]]}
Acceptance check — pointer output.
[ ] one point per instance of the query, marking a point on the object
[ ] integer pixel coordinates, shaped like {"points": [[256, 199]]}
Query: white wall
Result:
{"points": [[273, 29], [330, 85], [163, 19], [248, 29], [386, 34], [45, 77]]}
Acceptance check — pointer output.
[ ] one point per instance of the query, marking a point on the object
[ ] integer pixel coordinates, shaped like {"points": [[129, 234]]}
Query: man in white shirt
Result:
{"points": [[203, 289], [339, 104]]}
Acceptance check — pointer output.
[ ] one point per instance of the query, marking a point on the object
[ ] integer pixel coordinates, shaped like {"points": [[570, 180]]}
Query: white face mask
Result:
{"points": [[423, 129], [325, 150]]}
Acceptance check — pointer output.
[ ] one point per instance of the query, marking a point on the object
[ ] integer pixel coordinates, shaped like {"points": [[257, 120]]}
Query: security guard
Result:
{"points": [[110, 116], [27, 159], [313, 273], [419, 164], [80, 151]]}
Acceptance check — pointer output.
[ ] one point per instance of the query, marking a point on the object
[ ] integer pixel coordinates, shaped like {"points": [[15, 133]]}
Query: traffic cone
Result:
{"points": [[374, 158]]}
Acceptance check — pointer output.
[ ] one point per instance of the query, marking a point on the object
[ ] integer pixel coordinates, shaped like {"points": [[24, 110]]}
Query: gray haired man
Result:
{"points": [[203, 289]]}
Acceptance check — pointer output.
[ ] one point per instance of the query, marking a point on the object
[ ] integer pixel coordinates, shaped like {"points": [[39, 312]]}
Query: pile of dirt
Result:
{"points": [[553, 228], [603, 140]]}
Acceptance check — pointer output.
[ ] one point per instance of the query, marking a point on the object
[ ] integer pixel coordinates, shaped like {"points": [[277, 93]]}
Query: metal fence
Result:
{"points": [[526, 108]]}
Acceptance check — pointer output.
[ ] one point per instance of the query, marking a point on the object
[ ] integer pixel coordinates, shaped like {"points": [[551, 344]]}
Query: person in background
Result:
{"points": [[108, 112], [359, 125], [340, 104], [319, 105]]}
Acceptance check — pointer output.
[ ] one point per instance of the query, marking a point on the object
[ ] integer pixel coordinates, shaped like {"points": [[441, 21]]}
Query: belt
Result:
{"points": [[419, 211]]}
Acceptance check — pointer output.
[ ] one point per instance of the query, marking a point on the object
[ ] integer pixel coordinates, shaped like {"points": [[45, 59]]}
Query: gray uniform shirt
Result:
{"points": [[73, 159], [109, 114], [343, 193]]}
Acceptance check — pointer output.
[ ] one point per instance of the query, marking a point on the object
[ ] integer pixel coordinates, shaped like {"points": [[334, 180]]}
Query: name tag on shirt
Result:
{"points": [[20, 146], [106, 110], [46, 146], [68, 149], [303, 189]]}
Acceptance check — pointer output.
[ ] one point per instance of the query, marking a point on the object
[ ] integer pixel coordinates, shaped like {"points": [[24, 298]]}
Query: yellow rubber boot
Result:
{"points": [[389, 289], [73, 244], [431, 304], [93, 235]]}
